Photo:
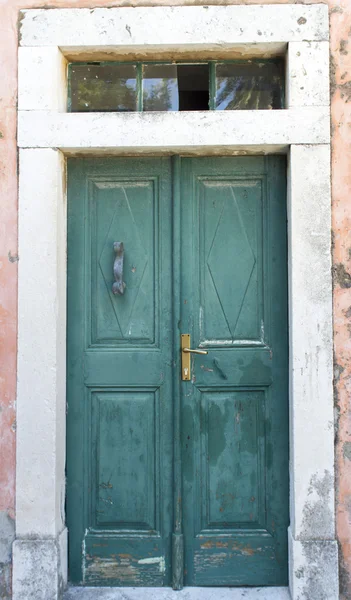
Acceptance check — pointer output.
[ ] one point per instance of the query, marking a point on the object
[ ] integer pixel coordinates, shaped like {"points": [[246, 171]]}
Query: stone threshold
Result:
{"points": [[188, 593]]}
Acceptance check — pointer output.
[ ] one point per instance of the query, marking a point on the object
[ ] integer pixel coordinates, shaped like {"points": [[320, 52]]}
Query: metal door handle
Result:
{"points": [[186, 351], [119, 286]]}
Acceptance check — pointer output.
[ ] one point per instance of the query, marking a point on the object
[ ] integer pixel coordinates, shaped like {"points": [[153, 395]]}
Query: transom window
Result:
{"points": [[146, 86]]}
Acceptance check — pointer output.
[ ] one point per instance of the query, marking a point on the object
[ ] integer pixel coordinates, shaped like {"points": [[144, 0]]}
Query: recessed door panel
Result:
{"points": [[124, 457], [232, 459], [124, 210], [230, 237]]}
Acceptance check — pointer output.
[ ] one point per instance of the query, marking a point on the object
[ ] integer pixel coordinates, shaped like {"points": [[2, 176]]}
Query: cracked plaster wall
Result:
{"points": [[340, 24]]}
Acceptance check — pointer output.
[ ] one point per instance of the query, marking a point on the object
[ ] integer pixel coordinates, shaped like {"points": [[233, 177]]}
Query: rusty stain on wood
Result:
{"points": [[231, 545]]}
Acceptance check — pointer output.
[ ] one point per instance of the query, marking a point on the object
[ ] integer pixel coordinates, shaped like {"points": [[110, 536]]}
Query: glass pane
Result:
{"points": [[249, 85], [103, 88], [160, 88]]}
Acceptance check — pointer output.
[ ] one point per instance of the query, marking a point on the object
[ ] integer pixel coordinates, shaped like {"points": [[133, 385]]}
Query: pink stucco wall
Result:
{"points": [[340, 27], [340, 21]]}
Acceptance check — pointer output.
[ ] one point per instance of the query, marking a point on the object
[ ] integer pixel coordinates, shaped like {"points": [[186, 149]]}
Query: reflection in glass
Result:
{"points": [[250, 85], [160, 88], [103, 88]]}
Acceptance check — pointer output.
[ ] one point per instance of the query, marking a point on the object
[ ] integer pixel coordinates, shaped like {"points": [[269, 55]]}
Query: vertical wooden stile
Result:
{"points": [[177, 537]]}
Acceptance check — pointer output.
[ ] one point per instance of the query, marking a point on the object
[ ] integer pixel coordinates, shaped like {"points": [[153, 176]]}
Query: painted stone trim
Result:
{"points": [[47, 90], [38, 569], [41, 389], [178, 26], [199, 593], [312, 569], [307, 74], [311, 364], [169, 131]]}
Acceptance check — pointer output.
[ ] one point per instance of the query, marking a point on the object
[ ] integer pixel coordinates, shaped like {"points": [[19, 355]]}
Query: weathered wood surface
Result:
{"points": [[176, 482]]}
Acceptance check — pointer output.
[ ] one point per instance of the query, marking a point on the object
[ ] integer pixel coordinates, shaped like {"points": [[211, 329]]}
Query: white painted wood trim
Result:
{"points": [[48, 37]]}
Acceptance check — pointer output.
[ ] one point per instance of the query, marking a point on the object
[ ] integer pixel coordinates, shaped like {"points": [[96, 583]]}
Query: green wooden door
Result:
{"points": [[235, 408], [119, 421], [156, 465]]}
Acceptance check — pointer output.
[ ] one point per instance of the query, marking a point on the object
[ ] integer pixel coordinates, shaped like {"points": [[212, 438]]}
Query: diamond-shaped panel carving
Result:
{"points": [[123, 228], [231, 261]]}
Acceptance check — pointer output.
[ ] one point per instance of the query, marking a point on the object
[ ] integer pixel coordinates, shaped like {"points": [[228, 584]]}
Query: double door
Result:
{"points": [[177, 469]]}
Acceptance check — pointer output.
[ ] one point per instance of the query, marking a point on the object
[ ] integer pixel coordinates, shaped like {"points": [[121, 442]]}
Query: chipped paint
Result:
{"points": [[123, 568], [231, 545], [154, 561], [110, 569]]}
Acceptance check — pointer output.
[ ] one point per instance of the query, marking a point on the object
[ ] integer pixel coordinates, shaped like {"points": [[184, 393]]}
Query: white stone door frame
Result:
{"points": [[47, 134]]}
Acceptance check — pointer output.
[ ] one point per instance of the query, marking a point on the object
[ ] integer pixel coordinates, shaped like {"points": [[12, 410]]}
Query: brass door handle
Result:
{"points": [[186, 351]]}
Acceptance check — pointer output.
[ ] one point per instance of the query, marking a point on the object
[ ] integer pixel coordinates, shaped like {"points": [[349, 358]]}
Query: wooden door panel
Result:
{"points": [[230, 210], [250, 366], [235, 408], [118, 561], [234, 560], [119, 373], [124, 457], [124, 210], [231, 481], [114, 368]]}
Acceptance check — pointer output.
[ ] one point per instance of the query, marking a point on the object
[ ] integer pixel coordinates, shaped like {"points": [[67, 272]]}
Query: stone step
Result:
{"points": [[188, 593]]}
